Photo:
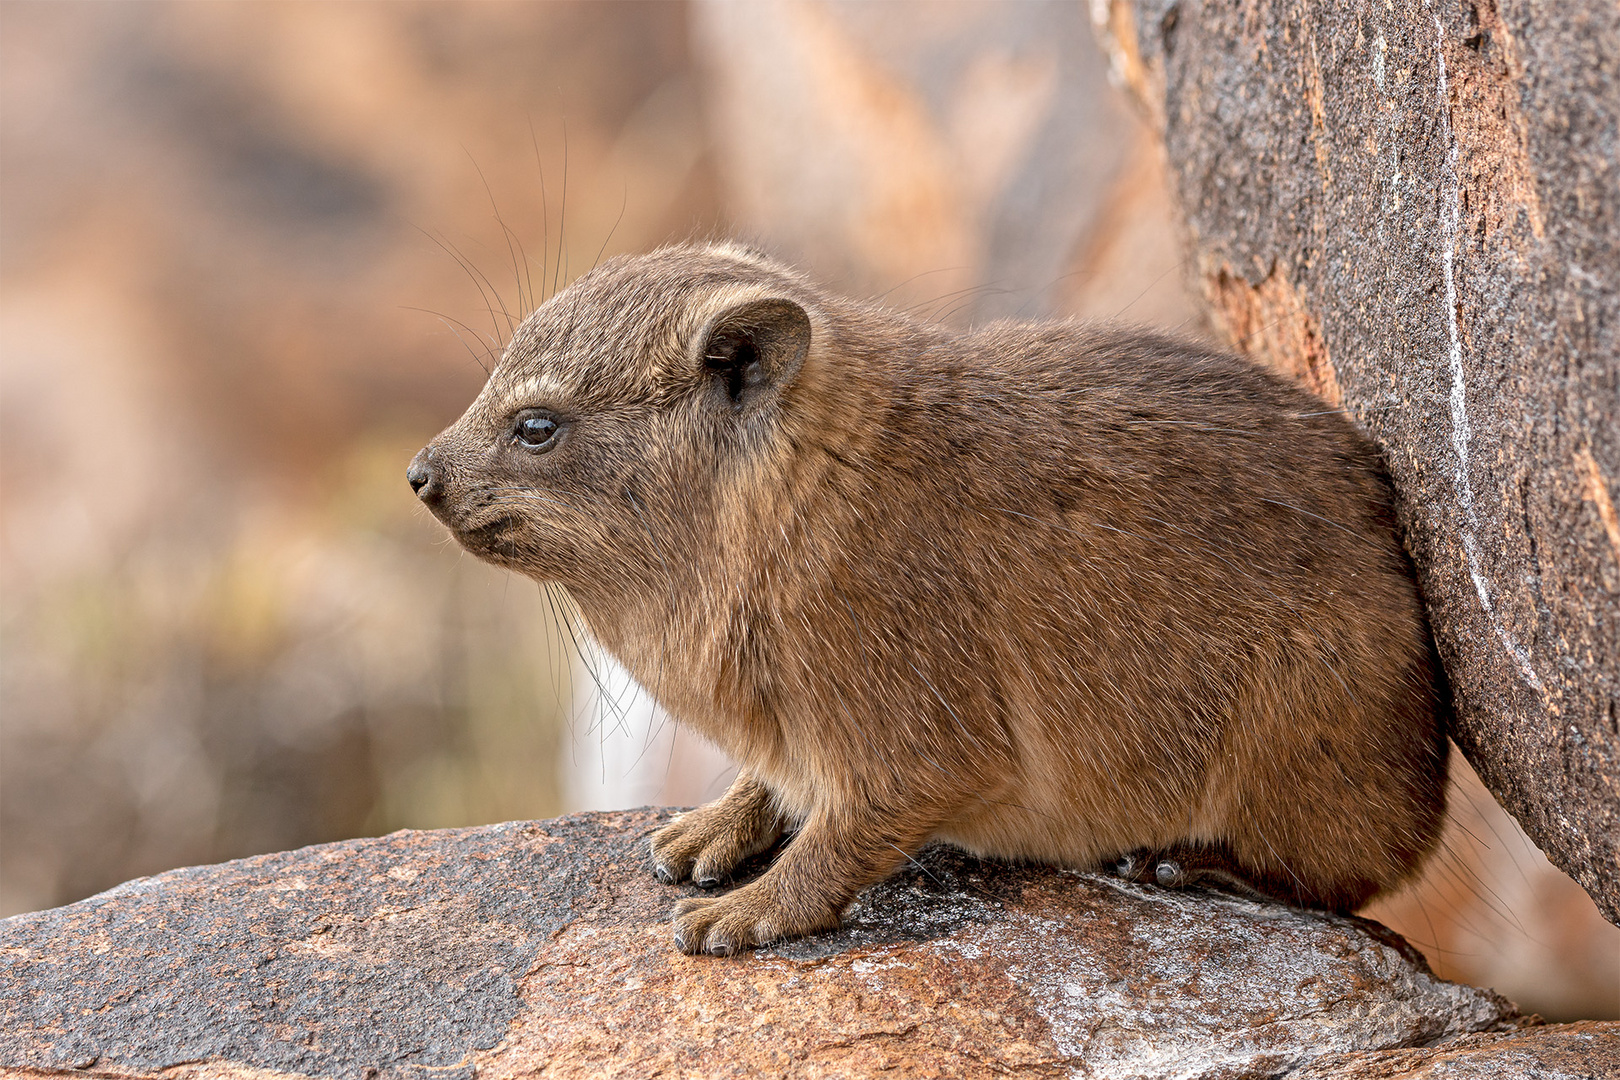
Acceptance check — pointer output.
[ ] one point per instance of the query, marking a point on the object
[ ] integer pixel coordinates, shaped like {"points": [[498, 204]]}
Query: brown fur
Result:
{"points": [[1046, 591]]}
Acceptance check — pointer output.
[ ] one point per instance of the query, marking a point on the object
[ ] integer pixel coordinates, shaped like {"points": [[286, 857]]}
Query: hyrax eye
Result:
{"points": [[535, 430]]}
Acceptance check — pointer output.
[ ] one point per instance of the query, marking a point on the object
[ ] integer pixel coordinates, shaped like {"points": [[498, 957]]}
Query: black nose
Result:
{"points": [[422, 475]]}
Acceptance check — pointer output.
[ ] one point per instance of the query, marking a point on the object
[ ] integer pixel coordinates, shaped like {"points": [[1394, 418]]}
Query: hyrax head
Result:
{"points": [[620, 409]]}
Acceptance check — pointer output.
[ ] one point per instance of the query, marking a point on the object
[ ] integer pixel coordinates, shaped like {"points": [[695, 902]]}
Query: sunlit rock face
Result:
{"points": [[546, 946]]}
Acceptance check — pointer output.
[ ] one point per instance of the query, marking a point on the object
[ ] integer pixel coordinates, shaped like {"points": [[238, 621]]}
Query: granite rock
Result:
{"points": [[544, 948]]}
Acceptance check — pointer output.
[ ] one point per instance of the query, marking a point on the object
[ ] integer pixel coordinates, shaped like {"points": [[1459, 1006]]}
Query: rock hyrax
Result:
{"points": [[1045, 591]]}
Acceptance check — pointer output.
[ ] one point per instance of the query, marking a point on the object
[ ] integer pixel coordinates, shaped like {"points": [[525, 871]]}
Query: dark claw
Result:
{"points": [[663, 873], [1168, 874], [707, 882]]}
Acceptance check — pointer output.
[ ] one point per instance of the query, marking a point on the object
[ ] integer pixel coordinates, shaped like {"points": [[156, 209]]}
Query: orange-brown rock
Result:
{"points": [[543, 948], [1583, 1051]]}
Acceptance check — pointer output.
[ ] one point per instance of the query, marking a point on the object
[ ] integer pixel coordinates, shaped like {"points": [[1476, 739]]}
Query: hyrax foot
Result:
{"points": [[706, 844], [1160, 868], [740, 920], [1188, 867]]}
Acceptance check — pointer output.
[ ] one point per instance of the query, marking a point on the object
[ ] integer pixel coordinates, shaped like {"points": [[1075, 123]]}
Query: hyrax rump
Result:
{"points": [[1044, 591]]}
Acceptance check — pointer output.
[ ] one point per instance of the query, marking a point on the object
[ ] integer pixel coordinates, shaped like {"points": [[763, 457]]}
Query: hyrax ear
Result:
{"points": [[754, 349]]}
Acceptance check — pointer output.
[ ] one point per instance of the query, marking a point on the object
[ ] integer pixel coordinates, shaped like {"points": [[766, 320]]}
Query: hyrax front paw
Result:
{"points": [[744, 919], [707, 844]]}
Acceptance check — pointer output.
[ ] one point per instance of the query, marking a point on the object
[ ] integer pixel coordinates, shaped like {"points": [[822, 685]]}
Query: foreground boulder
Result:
{"points": [[544, 948]]}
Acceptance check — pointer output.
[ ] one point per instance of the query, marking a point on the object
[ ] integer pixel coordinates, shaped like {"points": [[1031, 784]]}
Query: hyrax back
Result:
{"points": [[1046, 591]]}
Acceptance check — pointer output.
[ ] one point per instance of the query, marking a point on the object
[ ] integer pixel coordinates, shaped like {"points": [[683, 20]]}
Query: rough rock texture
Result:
{"points": [[1587, 1051], [545, 948], [1415, 208]]}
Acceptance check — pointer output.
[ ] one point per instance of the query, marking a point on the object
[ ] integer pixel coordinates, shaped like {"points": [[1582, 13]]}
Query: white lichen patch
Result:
{"points": [[1191, 986]]}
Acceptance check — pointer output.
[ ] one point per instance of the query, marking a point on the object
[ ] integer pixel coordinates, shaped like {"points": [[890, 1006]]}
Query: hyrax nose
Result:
{"points": [[423, 475]]}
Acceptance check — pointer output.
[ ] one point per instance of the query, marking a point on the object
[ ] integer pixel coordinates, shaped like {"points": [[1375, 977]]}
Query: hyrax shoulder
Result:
{"points": [[1047, 591]]}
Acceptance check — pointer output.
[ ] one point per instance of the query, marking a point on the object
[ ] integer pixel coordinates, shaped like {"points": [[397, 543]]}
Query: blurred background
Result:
{"points": [[253, 255]]}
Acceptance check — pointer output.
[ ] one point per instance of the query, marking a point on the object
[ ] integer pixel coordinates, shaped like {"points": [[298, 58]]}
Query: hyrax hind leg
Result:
{"points": [[708, 843]]}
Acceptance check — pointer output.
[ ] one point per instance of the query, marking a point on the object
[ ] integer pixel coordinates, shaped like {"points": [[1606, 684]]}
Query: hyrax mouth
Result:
{"points": [[493, 535], [500, 530]]}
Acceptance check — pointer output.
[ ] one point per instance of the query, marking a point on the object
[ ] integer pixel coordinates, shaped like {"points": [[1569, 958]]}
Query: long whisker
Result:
{"points": [[450, 325], [506, 231], [562, 219], [557, 669], [480, 282], [603, 697], [878, 299], [1149, 288], [663, 636], [624, 203], [545, 210]]}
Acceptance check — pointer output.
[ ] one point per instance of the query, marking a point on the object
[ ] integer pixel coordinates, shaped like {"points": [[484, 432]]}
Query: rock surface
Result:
{"points": [[1583, 1051], [1415, 209], [544, 948]]}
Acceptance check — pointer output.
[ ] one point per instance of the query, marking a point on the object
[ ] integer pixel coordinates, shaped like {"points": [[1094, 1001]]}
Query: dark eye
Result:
{"points": [[535, 430]]}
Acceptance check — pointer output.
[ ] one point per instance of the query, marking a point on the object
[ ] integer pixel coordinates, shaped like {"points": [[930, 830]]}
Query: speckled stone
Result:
{"points": [[544, 948]]}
